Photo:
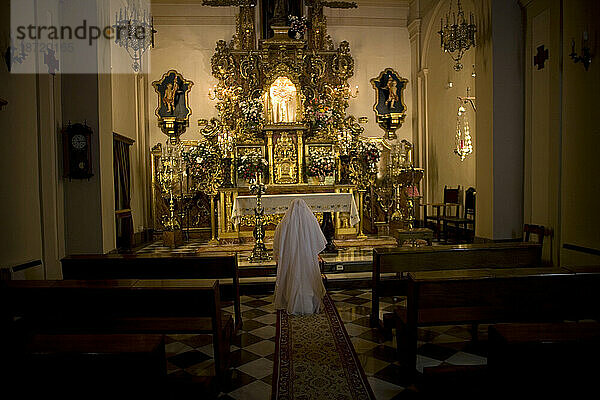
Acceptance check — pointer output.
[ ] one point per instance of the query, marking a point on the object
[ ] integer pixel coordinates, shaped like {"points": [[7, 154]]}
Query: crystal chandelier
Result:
{"points": [[458, 37], [464, 145], [134, 31]]}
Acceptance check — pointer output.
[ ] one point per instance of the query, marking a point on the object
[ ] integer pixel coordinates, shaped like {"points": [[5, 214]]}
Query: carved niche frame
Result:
{"points": [[389, 121]]}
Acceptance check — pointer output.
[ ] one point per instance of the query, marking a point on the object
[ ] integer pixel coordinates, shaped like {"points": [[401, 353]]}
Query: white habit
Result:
{"points": [[297, 243]]}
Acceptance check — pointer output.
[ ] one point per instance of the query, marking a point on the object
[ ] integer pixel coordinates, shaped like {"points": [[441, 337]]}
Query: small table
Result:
{"points": [[403, 235]]}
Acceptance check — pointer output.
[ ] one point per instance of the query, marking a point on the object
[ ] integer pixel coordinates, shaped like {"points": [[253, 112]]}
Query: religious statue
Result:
{"points": [[169, 96], [283, 100], [392, 87], [173, 92]]}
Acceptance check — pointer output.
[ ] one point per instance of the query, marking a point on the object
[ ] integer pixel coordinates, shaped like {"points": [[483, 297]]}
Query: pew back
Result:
{"points": [[479, 255], [498, 294], [189, 306], [444, 257], [493, 295], [86, 303], [222, 266]]}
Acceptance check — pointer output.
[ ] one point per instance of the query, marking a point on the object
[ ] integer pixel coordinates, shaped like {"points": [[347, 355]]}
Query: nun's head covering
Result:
{"points": [[298, 241]]}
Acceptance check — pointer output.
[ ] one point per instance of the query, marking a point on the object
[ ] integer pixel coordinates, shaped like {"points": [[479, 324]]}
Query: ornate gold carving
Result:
{"points": [[286, 160], [246, 35]]}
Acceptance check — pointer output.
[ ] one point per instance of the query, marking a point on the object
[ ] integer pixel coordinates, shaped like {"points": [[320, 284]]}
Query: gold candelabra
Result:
{"points": [[169, 178], [259, 252]]}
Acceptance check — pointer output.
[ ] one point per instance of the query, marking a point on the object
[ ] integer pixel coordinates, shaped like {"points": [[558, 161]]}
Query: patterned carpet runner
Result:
{"points": [[314, 358]]}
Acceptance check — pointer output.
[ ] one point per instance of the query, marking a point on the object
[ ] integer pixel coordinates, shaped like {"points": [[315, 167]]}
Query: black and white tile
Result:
{"points": [[254, 346]]}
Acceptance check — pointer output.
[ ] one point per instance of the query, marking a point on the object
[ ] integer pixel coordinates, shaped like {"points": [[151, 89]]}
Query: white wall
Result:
{"points": [[31, 199], [443, 167], [378, 38], [186, 40], [580, 170], [19, 199]]}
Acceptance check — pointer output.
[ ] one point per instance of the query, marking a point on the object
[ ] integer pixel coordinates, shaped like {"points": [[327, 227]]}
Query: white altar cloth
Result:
{"points": [[279, 203]]}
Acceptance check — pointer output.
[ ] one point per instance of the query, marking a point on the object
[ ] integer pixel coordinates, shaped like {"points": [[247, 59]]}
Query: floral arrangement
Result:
{"points": [[250, 164], [369, 154], [317, 114], [199, 158], [252, 113], [321, 162], [297, 26]]}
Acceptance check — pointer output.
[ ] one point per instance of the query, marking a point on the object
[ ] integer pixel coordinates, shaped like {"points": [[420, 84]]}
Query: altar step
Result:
{"points": [[369, 241]]}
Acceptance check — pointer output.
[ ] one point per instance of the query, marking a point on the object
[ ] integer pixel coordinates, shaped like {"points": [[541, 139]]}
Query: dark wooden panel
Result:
{"points": [[490, 255], [149, 266], [489, 296], [481, 256], [158, 266]]}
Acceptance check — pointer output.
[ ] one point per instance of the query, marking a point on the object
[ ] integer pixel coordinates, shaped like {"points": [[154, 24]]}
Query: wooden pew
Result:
{"points": [[222, 266], [530, 355], [68, 365], [190, 306], [454, 297], [399, 261]]}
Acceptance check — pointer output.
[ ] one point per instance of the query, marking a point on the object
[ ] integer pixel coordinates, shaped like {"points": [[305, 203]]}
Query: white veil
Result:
{"points": [[298, 240]]}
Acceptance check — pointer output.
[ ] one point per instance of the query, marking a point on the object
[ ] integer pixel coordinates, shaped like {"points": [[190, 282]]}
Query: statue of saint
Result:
{"points": [[169, 96], [283, 100], [392, 87]]}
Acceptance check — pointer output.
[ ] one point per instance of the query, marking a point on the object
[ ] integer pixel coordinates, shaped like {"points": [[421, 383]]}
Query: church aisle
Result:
{"points": [[253, 349]]}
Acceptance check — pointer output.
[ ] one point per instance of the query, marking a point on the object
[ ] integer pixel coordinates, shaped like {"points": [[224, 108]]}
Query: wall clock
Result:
{"points": [[77, 154]]}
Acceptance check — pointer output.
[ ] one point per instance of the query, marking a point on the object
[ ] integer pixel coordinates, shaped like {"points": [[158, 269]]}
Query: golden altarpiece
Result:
{"points": [[283, 99]]}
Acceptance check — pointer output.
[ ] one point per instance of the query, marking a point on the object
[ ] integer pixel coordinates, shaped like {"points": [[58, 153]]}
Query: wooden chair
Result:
{"points": [[539, 232], [463, 222], [451, 196]]}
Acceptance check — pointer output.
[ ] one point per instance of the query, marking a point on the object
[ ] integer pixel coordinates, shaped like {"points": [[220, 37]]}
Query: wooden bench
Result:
{"points": [[222, 266], [454, 297], [529, 355], [190, 306], [391, 264], [64, 364]]}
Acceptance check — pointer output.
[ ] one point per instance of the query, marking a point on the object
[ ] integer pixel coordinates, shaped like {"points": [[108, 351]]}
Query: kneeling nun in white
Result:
{"points": [[298, 241]]}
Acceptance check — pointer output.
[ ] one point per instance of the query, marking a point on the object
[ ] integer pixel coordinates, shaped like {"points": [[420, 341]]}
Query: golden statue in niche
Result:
{"points": [[283, 100]]}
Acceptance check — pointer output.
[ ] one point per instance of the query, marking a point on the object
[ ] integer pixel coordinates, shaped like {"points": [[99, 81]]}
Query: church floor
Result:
{"points": [[253, 348]]}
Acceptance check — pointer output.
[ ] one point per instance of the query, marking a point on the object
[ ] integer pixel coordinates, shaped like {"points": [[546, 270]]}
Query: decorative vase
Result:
{"points": [[321, 179], [313, 180], [330, 180]]}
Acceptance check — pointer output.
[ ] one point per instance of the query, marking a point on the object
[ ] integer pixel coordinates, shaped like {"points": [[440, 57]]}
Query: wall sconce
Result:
{"points": [[586, 56]]}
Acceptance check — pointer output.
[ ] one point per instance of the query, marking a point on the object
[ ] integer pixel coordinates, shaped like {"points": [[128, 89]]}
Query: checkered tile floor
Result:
{"points": [[253, 348], [190, 247]]}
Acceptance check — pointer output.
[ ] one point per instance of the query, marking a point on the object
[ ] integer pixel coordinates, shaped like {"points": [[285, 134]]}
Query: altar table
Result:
{"points": [[279, 203]]}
